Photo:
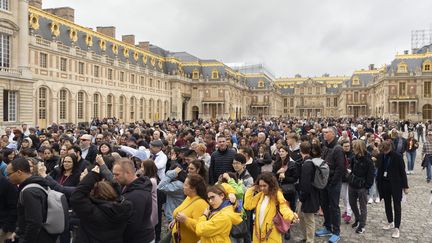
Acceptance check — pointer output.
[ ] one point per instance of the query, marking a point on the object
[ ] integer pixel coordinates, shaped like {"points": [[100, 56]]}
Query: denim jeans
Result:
{"points": [[329, 199], [429, 168], [411, 156]]}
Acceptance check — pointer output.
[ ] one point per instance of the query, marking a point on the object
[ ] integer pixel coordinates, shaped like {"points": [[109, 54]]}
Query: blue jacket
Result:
{"points": [[174, 193]]}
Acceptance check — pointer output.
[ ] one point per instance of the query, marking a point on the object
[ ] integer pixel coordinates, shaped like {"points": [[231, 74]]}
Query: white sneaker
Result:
{"points": [[395, 233], [370, 200], [388, 226], [377, 200]]}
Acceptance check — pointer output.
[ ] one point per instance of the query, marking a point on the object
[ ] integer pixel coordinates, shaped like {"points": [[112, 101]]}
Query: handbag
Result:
{"points": [[282, 225], [288, 188], [239, 230]]}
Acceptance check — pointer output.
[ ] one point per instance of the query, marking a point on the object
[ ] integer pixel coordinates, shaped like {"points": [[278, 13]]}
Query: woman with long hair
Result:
{"points": [[411, 152], [187, 214], [266, 198], [216, 222], [286, 172], [360, 180], [149, 169], [103, 213], [67, 174], [198, 167]]}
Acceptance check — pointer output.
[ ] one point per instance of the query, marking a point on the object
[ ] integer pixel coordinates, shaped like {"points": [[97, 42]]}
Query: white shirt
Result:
{"points": [[161, 161], [262, 209]]}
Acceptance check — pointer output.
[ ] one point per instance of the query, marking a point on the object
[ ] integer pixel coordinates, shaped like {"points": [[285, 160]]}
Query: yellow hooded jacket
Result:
{"points": [[193, 208], [218, 227], [254, 202]]}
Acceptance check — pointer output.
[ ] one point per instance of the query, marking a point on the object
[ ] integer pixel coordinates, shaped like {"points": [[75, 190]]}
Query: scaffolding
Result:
{"points": [[421, 38]]}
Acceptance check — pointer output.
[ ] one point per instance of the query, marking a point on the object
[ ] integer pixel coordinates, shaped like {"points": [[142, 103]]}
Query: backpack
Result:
{"points": [[322, 172], [57, 212]]}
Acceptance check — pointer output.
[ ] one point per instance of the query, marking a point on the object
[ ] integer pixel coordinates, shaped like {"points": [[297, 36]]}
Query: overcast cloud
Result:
{"points": [[305, 37]]}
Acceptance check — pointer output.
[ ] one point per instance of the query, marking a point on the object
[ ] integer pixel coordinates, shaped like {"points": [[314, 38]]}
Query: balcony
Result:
{"points": [[403, 97], [260, 104], [11, 72]]}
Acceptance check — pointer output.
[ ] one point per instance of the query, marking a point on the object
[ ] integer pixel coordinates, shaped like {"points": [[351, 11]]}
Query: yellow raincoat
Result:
{"points": [[267, 232], [193, 208], [218, 227]]}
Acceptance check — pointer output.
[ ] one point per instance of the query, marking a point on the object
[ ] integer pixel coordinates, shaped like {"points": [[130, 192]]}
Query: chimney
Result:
{"points": [[406, 52], [145, 45], [36, 3], [64, 12], [107, 30], [371, 67], [130, 39]]}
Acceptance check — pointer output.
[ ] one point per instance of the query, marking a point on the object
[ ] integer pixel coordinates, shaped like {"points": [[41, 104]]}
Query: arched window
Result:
{"points": [[121, 107], [42, 103], [195, 74], [63, 104], [158, 110], [260, 84], [356, 80], [427, 66], [151, 109], [80, 105], [110, 106], [142, 108], [132, 108], [166, 110], [96, 103]]}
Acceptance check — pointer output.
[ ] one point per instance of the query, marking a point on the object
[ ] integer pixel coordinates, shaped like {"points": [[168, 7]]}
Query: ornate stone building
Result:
{"points": [[53, 70]]}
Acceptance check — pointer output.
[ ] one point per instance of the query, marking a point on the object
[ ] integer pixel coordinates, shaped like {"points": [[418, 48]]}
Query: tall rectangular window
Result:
{"points": [[63, 64], [291, 102], [9, 105], [4, 4], [42, 103], [96, 71], [4, 50], [63, 103], [328, 102], [402, 88], [142, 80], [356, 97], [109, 75], [96, 105], [43, 60], [335, 101], [285, 102], [80, 113], [81, 68], [309, 90], [427, 89], [132, 78], [121, 76]]}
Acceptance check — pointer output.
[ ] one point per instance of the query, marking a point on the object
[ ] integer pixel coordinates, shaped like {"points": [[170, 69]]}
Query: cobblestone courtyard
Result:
{"points": [[416, 225]]}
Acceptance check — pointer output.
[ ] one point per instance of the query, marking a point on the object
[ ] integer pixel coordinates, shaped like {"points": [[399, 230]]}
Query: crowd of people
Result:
{"points": [[208, 181]]}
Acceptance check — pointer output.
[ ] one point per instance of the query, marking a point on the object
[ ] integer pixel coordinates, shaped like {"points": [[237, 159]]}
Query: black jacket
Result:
{"points": [[308, 194], [32, 211], [396, 174], [334, 156], [253, 169], [220, 162], [291, 175], [139, 228], [51, 163], [91, 154], [8, 205], [362, 172], [101, 221]]}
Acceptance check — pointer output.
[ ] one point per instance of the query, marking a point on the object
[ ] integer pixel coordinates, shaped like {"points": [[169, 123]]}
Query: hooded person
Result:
{"points": [[103, 213]]}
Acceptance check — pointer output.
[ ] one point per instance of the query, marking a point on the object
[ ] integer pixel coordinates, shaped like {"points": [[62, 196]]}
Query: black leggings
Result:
{"points": [[388, 196]]}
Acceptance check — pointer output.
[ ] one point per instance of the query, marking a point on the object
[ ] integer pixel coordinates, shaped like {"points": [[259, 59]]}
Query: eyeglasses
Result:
{"points": [[9, 174]]}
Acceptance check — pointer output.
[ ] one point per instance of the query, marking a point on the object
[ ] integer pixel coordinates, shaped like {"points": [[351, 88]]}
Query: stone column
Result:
{"points": [[23, 39]]}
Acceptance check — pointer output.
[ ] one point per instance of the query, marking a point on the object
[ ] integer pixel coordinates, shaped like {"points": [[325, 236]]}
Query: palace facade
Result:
{"points": [[54, 70]]}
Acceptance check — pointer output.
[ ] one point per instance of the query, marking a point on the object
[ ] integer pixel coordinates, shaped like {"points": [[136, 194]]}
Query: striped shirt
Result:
{"points": [[427, 148]]}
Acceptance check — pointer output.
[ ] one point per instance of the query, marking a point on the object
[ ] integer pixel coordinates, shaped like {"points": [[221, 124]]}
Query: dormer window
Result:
{"points": [[427, 66], [195, 74], [260, 84], [402, 67], [215, 74], [356, 80]]}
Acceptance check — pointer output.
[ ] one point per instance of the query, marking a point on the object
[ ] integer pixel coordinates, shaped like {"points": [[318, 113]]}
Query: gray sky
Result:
{"points": [[289, 37]]}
